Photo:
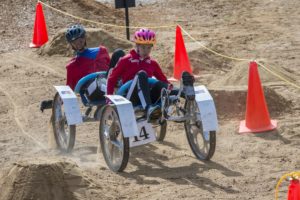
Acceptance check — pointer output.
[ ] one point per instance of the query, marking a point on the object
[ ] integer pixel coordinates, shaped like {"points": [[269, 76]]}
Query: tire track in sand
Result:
{"points": [[29, 62], [19, 124], [58, 72], [19, 58]]}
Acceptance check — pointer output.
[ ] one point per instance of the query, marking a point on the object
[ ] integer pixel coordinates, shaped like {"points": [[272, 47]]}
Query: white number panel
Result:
{"points": [[146, 134]]}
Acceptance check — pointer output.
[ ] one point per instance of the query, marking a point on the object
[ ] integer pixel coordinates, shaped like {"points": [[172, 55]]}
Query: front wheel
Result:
{"points": [[202, 143], [64, 133], [115, 147]]}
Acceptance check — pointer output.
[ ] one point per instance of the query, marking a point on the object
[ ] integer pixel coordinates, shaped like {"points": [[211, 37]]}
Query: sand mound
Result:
{"points": [[202, 61], [99, 9], [238, 75], [58, 45], [231, 102], [23, 19], [46, 180]]}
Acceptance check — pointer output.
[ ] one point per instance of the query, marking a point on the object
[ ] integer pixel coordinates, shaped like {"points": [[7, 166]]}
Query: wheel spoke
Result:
{"points": [[194, 135], [106, 132], [117, 144], [62, 140]]}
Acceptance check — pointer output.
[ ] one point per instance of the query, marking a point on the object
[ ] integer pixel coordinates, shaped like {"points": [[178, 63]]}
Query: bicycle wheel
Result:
{"points": [[115, 147], [202, 143], [64, 133]]}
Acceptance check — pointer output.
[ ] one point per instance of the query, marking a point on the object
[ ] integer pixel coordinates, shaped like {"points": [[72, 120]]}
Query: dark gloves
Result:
{"points": [[47, 104]]}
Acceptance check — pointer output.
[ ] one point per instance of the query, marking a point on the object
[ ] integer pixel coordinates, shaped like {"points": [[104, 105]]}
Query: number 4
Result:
{"points": [[143, 134]]}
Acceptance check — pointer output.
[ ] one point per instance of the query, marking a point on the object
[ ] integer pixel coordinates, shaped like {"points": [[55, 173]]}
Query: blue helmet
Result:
{"points": [[74, 32]]}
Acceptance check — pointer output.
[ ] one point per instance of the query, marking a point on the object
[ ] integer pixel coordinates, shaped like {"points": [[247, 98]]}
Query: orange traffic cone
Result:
{"points": [[181, 59], [40, 35], [257, 114], [294, 190]]}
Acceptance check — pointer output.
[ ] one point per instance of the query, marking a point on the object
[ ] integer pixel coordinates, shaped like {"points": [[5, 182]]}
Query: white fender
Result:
{"points": [[206, 105], [71, 105], [126, 115]]}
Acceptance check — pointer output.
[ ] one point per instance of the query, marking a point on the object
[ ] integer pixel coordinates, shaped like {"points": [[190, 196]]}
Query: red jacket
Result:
{"points": [[89, 61], [129, 66]]}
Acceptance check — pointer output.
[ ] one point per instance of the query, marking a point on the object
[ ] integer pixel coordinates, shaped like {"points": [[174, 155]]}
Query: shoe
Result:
{"points": [[188, 85], [153, 113]]}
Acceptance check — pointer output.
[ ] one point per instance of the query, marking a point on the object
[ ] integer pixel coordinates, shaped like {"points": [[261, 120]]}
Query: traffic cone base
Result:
{"points": [[172, 79], [31, 45], [244, 129]]}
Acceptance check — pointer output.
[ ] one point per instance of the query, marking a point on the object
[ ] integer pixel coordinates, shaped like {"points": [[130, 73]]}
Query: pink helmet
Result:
{"points": [[144, 36]]}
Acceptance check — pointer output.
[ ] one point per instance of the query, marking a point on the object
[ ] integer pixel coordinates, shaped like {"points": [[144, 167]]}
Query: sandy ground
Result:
{"points": [[137, 2], [244, 166]]}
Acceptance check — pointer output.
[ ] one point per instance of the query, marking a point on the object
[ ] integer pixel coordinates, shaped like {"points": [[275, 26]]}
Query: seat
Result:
{"points": [[82, 85]]}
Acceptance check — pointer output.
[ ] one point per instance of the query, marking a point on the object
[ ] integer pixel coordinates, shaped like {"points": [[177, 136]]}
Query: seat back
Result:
{"points": [[82, 86]]}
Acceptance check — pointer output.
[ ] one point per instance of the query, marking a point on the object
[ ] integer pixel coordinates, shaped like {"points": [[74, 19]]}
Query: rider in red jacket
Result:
{"points": [[87, 60], [136, 71], [130, 65]]}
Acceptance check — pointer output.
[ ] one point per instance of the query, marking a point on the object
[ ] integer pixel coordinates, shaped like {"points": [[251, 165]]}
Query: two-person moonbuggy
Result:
{"points": [[123, 126], [123, 122]]}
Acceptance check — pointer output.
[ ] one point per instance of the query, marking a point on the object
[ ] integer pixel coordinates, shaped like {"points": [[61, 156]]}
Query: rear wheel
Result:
{"points": [[202, 143], [64, 133], [115, 147]]}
